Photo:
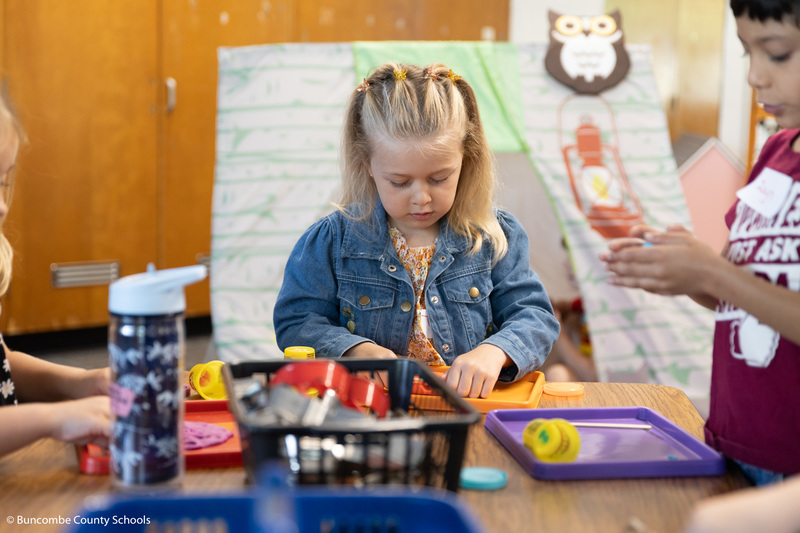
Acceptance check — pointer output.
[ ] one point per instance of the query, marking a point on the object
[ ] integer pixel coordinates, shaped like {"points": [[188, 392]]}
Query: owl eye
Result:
{"points": [[603, 25], [569, 25]]}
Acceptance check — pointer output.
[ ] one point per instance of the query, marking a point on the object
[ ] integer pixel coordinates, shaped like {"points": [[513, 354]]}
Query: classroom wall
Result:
{"points": [[735, 94], [528, 23]]}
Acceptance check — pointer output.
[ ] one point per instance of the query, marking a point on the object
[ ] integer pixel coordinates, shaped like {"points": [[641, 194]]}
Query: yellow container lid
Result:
{"points": [[552, 440], [299, 352], [206, 380]]}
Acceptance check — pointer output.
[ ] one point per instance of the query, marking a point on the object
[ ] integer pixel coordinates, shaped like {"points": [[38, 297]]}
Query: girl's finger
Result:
{"points": [[488, 387]]}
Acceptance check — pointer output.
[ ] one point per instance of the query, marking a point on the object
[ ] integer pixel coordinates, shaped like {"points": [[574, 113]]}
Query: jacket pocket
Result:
{"points": [[468, 298], [365, 308], [468, 289]]}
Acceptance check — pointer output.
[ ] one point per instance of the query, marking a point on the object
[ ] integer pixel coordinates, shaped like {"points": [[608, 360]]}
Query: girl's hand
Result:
{"points": [[676, 263], [91, 383], [370, 350], [474, 373], [83, 421]]}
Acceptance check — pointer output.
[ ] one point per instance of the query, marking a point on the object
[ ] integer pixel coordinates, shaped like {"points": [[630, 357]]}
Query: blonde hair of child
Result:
{"points": [[10, 131], [427, 107]]}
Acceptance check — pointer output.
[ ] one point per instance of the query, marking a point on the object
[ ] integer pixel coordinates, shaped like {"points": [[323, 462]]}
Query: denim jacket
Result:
{"points": [[345, 284]]}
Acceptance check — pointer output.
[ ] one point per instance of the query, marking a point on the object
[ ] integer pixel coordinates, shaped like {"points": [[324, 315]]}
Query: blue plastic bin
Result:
{"points": [[302, 510]]}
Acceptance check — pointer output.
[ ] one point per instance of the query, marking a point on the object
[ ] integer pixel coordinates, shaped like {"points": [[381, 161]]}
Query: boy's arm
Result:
{"points": [[772, 508], [678, 263], [37, 380], [773, 305], [706, 300]]}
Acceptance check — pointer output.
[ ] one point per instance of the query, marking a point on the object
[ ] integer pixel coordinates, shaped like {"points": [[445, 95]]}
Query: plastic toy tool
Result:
{"points": [[206, 380], [146, 346]]}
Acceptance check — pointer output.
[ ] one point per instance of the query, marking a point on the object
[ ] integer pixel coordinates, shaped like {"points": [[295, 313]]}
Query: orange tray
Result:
{"points": [[94, 459], [522, 394]]}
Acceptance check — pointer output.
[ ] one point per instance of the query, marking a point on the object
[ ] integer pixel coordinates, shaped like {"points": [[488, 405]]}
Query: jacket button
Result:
{"points": [[446, 347], [474, 292], [392, 268], [364, 300], [442, 259], [405, 306], [434, 299]]}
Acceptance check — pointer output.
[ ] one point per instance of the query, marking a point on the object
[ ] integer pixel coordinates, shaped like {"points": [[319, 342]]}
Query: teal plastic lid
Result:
{"points": [[483, 478]]}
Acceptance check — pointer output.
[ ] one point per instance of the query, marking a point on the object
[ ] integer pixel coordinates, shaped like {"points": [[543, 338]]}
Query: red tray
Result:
{"points": [[94, 459]]}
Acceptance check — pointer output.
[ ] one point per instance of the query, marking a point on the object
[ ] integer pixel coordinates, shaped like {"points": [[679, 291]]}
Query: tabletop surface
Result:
{"points": [[43, 480]]}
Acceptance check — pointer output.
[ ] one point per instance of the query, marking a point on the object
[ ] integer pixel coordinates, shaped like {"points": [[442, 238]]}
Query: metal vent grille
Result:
{"points": [[83, 274]]}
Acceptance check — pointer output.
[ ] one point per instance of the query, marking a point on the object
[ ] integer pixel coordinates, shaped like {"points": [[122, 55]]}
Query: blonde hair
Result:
{"points": [[10, 131], [405, 103]]}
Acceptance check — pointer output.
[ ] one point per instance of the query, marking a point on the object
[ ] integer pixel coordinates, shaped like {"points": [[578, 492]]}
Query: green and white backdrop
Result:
{"points": [[279, 121]]}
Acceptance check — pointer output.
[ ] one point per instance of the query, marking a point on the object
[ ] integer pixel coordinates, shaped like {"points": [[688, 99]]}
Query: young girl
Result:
{"points": [[86, 417], [755, 288], [416, 262]]}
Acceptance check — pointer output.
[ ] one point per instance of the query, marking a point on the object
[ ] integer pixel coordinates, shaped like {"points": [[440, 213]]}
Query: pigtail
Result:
{"points": [[403, 100], [472, 213], [433, 105]]}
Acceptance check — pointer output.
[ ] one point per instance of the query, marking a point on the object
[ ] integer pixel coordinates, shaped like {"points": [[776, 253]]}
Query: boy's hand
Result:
{"points": [[475, 373], [676, 263]]}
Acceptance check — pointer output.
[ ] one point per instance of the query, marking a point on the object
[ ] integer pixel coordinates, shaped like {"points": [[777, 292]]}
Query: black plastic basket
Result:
{"points": [[424, 446]]}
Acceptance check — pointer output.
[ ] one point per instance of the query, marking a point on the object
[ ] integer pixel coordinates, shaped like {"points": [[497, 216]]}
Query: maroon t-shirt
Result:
{"points": [[755, 379]]}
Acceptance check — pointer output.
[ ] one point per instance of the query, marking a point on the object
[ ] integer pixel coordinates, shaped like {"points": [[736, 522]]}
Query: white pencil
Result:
{"points": [[611, 425]]}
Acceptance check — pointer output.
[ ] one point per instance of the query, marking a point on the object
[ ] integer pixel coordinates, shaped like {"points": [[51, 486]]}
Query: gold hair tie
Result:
{"points": [[400, 75], [431, 72], [452, 76], [364, 87]]}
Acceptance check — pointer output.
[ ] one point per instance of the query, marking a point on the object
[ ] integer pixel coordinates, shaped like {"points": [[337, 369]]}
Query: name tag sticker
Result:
{"points": [[767, 193], [121, 399], [424, 325]]}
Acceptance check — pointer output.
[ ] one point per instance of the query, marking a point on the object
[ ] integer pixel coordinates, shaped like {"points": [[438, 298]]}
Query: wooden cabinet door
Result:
{"points": [[83, 77], [192, 32], [686, 37]]}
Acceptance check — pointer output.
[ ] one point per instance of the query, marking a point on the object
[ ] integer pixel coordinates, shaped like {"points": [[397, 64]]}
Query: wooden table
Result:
{"points": [[43, 481], [618, 505]]}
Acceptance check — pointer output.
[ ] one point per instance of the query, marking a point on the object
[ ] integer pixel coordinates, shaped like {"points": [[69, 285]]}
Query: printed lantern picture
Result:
{"points": [[597, 177]]}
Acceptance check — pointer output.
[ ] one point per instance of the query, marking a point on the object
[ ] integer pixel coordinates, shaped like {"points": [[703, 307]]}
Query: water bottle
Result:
{"points": [[146, 350]]}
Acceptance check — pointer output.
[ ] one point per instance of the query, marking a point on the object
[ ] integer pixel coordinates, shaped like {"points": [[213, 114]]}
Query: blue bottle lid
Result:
{"points": [[483, 478]]}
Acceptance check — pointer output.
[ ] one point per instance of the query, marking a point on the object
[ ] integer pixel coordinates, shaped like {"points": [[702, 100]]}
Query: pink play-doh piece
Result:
{"points": [[198, 435]]}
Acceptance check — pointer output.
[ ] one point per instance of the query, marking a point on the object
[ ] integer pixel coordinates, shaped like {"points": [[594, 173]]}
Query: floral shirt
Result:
{"points": [[7, 396], [417, 261]]}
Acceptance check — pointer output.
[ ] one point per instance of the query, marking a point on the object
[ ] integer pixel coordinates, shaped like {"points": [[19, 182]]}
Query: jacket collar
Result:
{"points": [[371, 240]]}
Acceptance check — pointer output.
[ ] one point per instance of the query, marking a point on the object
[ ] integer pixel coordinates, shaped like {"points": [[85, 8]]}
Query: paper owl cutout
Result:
{"points": [[587, 54]]}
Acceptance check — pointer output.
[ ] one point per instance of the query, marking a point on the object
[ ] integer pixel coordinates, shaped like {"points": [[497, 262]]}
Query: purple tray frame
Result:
{"points": [[666, 450]]}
